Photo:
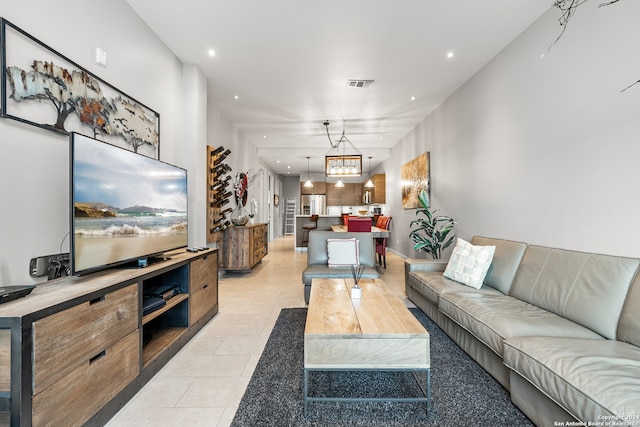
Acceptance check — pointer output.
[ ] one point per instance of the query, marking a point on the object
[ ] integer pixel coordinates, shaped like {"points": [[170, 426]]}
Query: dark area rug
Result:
{"points": [[462, 393]]}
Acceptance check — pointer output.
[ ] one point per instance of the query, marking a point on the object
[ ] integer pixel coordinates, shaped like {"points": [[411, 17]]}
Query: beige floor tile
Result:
{"points": [[248, 344], [156, 417], [214, 392], [198, 365], [227, 416], [203, 344], [162, 392]]}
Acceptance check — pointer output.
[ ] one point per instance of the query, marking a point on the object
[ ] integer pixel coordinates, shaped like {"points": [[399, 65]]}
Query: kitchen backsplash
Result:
{"points": [[354, 210]]}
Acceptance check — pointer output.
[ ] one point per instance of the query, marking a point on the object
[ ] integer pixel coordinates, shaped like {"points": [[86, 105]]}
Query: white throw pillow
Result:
{"points": [[469, 264], [343, 252]]}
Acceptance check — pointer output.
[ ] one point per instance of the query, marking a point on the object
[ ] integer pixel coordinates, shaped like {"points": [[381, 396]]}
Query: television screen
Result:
{"points": [[125, 206]]}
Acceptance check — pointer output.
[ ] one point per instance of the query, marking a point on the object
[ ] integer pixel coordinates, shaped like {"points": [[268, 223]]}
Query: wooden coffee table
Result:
{"points": [[376, 332]]}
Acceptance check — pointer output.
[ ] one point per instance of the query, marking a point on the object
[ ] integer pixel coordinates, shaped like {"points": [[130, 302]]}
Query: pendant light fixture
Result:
{"points": [[339, 163], [308, 184], [369, 183]]}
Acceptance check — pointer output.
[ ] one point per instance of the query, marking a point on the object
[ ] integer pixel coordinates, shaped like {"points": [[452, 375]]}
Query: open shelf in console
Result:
{"points": [[164, 325]]}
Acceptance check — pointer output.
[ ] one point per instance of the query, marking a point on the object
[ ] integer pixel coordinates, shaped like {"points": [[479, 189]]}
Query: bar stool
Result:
{"points": [[381, 243], [308, 227]]}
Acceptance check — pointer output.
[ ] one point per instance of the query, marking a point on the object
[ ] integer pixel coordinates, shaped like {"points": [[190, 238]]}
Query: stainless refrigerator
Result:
{"points": [[315, 204]]}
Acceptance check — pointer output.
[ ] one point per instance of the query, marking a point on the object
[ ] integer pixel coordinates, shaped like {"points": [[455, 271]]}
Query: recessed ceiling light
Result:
{"points": [[236, 97], [211, 52], [288, 167], [277, 161], [450, 54], [264, 136], [413, 98]]}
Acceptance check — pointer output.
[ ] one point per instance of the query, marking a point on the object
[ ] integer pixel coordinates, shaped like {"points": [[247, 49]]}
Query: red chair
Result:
{"points": [[359, 224], [384, 222], [346, 218]]}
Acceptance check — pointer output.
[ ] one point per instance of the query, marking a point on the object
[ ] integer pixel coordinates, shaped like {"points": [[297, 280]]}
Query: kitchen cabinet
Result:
{"points": [[349, 195], [378, 193], [318, 188]]}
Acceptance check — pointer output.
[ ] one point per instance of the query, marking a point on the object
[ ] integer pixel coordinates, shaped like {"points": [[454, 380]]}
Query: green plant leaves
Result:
{"points": [[423, 197], [431, 234]]}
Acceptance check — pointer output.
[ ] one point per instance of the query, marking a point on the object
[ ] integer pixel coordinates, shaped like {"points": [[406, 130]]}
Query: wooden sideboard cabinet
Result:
{"points": [[204, 287], [245, 246], [84, 356], [77, 348]]}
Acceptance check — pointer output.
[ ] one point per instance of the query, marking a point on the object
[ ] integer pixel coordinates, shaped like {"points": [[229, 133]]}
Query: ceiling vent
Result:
{"points": [[359, 83]]}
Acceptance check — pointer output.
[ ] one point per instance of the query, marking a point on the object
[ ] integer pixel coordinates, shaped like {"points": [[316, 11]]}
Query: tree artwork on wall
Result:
{"points": [[568, 9], [49, 82], [54, 93]]}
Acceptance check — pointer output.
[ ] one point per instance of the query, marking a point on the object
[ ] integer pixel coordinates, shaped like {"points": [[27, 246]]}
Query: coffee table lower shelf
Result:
{"points": [[426, 389]]}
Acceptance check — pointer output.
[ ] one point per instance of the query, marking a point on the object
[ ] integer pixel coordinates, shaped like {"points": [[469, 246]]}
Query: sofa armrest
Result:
{"points": [[424, 265], [411, 265]]}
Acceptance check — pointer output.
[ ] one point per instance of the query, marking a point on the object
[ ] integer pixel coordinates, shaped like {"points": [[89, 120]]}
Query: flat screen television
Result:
{"points": [[125, 207]]}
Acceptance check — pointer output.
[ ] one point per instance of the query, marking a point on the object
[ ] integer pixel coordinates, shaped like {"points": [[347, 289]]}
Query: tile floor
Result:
{"points": [[204, 383]]}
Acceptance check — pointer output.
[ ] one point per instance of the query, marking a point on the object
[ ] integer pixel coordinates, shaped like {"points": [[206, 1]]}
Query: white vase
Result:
{"points": [[356, 292]]}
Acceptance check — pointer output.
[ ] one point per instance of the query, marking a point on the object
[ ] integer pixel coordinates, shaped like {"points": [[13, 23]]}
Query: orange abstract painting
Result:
{"points": [[415, 178]]}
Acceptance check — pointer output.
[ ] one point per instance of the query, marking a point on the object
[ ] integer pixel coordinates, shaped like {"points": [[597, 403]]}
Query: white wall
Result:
{"points": [[192, 152], [541, 150], [34, 218], [243, 158]]}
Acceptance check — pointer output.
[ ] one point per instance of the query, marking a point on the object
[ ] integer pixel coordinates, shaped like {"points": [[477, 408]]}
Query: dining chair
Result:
{"points": [[308, 227], [384, 222]]}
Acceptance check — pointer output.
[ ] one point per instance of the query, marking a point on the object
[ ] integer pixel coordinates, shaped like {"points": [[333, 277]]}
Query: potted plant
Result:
{"points": [[432, 233]]}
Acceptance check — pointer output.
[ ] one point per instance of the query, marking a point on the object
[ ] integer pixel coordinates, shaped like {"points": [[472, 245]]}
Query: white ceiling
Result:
{"points": [[288, 62]]}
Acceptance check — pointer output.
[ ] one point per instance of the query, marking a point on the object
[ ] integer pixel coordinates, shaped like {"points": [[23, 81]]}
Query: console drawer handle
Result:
{"points": [[98, 356], [96, 300]]}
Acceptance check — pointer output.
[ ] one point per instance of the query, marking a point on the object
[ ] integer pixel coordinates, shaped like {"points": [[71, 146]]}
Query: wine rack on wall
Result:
{"points": [[219, 191]]}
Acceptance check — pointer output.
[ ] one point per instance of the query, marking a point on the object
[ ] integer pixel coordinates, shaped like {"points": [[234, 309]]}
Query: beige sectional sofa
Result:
{"points": [[559, 329]]}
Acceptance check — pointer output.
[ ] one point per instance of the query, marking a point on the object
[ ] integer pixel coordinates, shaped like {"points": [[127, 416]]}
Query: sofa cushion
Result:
{"points": [[494, 318], [343, 252], [629, 326], [469, 264], [432, 284], [506, 260], [324, 271], [586, 288], [590, 378]]}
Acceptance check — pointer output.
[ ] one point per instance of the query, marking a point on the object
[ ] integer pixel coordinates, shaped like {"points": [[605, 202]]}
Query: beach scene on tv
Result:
{"points": [[126, 205]]}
